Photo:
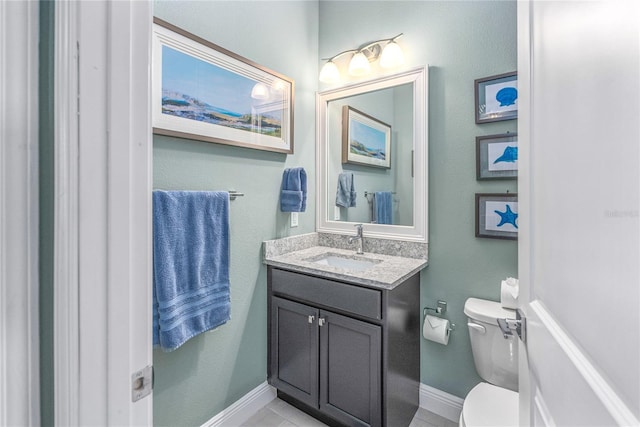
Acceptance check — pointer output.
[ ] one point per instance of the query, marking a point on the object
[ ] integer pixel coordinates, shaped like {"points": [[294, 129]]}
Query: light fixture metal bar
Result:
{"points": [[367, 46], [340, 54], [362, 47]]}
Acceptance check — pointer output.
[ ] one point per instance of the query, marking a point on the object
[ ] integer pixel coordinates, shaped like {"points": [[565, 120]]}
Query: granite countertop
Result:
{"points": [[388, 271]]}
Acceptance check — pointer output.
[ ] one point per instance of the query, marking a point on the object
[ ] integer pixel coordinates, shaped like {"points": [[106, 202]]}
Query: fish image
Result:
{"points": [[510, 155], [507, 96]]}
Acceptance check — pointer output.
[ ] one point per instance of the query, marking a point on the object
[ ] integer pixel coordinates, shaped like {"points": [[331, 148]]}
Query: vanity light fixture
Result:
{"points": [[387, 50]]}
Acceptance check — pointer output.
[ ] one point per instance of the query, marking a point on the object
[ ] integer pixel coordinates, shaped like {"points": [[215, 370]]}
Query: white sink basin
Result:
{"points": [[346, 262]]}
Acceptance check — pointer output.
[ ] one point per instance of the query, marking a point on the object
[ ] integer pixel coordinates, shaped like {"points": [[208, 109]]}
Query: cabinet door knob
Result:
{"points": [[311, 318], [321, 321]]}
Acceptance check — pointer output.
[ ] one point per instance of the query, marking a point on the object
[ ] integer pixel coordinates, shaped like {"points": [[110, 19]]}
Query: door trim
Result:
{"points": [[66, 327], [598, 384], [19, 215], [102, 231]]}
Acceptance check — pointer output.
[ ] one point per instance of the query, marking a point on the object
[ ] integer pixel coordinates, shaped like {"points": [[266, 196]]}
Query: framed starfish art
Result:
{"points": [[497, 215]]}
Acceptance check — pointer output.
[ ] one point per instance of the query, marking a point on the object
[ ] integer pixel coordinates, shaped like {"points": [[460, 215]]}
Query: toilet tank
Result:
{"points": [[495, 357]]}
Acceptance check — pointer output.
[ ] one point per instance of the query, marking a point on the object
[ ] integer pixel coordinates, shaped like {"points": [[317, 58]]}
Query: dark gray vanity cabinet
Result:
{"points": [[345, 353]]}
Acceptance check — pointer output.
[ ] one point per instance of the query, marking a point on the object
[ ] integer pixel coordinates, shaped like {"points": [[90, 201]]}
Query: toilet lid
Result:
{"points": [[488, 405], [487, 311]]}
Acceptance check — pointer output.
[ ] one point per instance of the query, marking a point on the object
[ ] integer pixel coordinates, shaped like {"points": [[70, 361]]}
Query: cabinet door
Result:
{"points": [[350, 370], [294, 347]]}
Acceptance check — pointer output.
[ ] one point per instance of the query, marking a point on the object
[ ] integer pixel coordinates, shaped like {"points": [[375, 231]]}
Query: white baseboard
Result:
{"points": [[245, 407], [440, 402], [433, 400]]}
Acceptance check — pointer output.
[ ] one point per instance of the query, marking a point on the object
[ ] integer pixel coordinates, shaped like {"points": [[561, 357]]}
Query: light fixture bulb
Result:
{"points": [[260, 91], [359, 65], [391, 55], [329, 73]]}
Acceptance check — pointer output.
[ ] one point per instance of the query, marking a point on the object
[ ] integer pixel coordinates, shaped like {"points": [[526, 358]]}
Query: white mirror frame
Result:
{"points": [[418, 232]]}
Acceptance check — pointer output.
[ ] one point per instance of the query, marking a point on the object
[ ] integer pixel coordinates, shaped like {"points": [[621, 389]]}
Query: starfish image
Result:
{"points": [[507, 217]]}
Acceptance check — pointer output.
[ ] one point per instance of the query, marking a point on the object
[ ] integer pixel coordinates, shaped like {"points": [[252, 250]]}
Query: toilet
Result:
{"points": [[494, 402]]}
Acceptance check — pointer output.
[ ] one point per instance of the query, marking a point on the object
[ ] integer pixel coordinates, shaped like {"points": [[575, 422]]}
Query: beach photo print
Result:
{"points": [[365, 139], [204, 92]]}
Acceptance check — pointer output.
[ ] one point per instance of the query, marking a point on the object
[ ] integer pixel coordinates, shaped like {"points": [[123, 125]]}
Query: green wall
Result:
{"points": [[460, 41], [213, 370], [46, 184]]}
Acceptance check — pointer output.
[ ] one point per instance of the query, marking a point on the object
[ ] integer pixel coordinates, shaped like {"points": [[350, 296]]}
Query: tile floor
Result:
{"points": [[279, 413]]}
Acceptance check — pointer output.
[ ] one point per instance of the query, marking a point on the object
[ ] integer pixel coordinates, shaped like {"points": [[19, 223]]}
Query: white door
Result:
{"points": [[579, 129], [102, 309]]}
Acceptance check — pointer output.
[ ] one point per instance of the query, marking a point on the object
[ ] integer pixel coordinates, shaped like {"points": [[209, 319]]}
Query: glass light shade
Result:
{"points": [[359, 65], [329, 73], [391, 56], [260, 91]]}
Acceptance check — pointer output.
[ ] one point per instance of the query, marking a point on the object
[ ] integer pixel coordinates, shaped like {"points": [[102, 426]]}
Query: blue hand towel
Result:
{"points": [[346, 192], [293, 193], [190, 265], [383, 207]]}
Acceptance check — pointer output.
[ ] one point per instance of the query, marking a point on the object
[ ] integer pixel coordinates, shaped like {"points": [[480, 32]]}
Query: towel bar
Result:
{"points": [[370, 193], [233, 194]]}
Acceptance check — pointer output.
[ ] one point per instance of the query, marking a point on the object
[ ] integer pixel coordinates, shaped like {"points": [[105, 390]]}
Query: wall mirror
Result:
{"points": [[374, 135]]}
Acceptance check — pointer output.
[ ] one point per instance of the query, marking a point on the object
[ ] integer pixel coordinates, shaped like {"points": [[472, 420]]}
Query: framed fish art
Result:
{"points": [[497, 98], [497, 215], [497, 156]]}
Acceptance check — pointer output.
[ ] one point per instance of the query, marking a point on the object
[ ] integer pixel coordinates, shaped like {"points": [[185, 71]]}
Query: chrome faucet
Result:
{"points": [[359, 238]]}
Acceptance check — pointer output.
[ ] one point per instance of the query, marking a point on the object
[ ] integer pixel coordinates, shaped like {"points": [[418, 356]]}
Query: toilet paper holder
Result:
{"points": [[440, 309]]}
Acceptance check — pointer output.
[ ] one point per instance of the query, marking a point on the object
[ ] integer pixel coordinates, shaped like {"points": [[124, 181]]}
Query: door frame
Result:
{"points": [[523, 16], [102, 231], [19, 215]]}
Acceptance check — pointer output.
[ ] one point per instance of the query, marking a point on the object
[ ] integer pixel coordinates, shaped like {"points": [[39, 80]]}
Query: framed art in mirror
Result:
{"points": [[365, 139], [204, 92], [497, 156], [497, 215], [496, 98]]}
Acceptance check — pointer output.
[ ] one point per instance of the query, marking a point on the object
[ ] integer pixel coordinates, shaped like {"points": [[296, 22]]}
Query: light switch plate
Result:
{"points": [[294, 219]]}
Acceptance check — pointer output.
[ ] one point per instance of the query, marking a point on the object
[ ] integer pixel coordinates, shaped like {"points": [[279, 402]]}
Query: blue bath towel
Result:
{"points": [[383, 209], [190, 265], [346, 192], [293, 193]]}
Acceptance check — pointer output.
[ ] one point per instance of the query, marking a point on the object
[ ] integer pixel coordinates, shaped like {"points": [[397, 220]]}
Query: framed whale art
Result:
{"points": [[496, 98]]}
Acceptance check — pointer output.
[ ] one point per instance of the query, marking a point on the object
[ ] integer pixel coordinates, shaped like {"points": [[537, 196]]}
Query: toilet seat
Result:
{"points": [[489, 405]]}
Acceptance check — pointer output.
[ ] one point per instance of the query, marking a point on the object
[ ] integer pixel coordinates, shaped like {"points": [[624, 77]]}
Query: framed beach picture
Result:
{"points": [[204, 92], [497, 98], [497, 156], [497, 215], [365, 139]]}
